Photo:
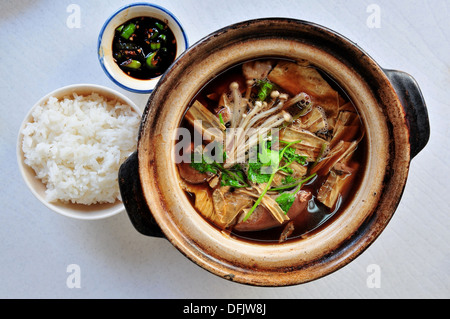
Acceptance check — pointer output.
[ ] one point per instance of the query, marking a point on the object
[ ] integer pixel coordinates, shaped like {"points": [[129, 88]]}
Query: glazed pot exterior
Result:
{"points": [[396, 123]]}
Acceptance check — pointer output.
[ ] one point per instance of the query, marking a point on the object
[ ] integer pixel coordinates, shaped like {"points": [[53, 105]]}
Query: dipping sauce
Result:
{"points": [[144, 47]]}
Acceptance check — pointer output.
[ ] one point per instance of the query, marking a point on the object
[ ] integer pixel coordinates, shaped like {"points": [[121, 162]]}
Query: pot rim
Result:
{"points": [[202, 248]]}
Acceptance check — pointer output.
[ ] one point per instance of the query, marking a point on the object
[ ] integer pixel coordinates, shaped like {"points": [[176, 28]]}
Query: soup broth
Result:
{"points": [[280, 152]]}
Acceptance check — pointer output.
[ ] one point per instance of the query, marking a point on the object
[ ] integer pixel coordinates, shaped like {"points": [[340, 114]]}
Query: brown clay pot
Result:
{"points": [[397, 128]]}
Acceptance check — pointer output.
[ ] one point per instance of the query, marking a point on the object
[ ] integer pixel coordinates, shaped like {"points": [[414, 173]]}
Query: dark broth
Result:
{"points": [[144, 47], [316, 215]]}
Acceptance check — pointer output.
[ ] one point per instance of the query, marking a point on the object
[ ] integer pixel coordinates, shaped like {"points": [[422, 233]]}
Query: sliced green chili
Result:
{"points": [[131, 64], [155, 45], [155, 33], [128, 31], [150, 60]]}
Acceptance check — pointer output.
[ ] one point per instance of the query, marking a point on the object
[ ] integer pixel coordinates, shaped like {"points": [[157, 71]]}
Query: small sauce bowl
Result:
{"points": [[105, 40]]}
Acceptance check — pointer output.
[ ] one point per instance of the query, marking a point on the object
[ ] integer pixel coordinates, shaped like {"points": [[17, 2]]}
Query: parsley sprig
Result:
{"points": [[230, 177], [286, 200], [263, 171], [269, 182]]}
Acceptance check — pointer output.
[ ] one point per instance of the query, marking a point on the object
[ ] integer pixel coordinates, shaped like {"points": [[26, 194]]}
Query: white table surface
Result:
{"points": [[39, 53]]}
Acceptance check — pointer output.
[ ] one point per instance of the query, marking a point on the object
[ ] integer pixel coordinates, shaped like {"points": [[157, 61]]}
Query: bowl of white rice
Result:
{"points": [[71, 145]]}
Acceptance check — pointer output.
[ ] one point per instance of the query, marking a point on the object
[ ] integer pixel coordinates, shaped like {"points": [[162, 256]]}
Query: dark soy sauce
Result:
{"points": [[144, 47]]}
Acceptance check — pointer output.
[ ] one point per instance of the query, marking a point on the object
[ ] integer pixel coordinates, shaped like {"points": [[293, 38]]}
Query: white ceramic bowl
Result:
{"points": [[106, 37], [78, 211]]}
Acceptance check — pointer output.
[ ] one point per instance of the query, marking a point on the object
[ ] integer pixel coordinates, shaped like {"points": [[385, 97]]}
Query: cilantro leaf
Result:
{"points": [[204, 167], [288, 180], [254, 173], [287, 169], [269, 159], [291, 156], [258, 201], [233, 179], [267, 162], [285, 200]]}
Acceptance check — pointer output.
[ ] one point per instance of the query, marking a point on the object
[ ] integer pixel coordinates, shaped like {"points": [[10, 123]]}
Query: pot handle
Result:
{"points": [[415, 109], [133, 198]]}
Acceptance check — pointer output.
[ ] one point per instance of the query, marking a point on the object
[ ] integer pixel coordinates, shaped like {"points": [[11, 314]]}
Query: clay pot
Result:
{"points": [[397, 128]]}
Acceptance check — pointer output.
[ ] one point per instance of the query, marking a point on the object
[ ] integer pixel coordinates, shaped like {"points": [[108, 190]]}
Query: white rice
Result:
{"points": [[76, 146]]}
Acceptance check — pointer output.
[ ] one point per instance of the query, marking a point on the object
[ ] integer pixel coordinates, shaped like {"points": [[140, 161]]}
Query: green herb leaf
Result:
{"points": [[288, 180], [258, 201], [221, 119], [270, 159], [254, 174], [287, 169], [296, 183], [285, 200], [291, 156], [204, 167], [233, 179]]}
